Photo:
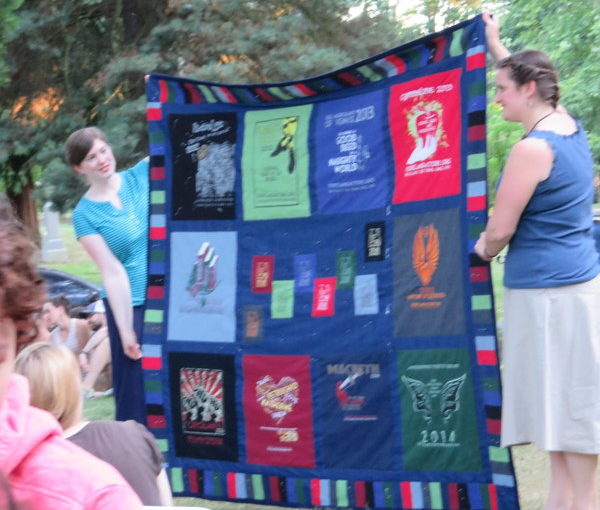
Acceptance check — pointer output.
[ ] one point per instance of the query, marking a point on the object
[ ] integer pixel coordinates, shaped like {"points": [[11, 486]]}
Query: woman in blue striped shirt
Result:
{"points": [[111, 222]]}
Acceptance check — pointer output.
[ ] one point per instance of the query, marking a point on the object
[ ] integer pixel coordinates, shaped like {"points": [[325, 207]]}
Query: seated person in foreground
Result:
{"points": [[55, 384], [44, 470]]}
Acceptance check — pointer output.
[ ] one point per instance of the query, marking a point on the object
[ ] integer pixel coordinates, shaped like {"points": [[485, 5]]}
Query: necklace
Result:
{"points": [[535, 125]]}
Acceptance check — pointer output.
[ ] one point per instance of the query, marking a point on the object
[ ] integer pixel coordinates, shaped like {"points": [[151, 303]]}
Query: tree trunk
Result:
{"points": [[25, 208]]}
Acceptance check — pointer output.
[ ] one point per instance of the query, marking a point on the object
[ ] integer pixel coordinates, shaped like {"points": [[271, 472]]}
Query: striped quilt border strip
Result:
{"points": [[152, 351], [448, 44], [482, 301], [406, 495]]}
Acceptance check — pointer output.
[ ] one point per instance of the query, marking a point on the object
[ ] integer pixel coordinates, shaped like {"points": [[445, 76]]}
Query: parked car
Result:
{"points": [[79, 292]]}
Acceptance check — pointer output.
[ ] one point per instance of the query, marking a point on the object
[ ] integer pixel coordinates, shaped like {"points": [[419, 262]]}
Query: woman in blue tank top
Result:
{"points": [[551, 334], [111, 222]]}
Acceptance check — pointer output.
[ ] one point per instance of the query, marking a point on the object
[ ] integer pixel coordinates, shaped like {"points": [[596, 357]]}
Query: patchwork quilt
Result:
{"points": [[319, 331]]}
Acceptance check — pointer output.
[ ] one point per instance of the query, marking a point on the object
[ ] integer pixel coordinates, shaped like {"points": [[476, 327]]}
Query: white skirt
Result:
{"points": [[551, 367]]}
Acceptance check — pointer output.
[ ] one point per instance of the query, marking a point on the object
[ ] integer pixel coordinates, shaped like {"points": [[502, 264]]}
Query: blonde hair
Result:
{"points": [[54, 380]]}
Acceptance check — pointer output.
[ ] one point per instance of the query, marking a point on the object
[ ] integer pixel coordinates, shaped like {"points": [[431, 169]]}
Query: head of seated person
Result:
{"points": [[95, 315], [58, 310], [54, 380]]}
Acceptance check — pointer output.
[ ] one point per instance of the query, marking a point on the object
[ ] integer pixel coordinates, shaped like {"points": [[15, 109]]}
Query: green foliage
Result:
{"points": [[571, 37], [439, 14], [60, 186], [501, 136], [271, 41], [85, 60], [61, 55], [14, 153], [9, 20]]}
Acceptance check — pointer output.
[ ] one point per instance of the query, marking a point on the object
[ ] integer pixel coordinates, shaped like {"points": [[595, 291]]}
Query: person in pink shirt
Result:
{"points": [[44, 470]]}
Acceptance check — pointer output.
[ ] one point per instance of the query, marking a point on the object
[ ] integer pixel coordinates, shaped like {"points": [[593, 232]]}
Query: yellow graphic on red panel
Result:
{"points": [[424, 124], [425, 127], [277, 399]]}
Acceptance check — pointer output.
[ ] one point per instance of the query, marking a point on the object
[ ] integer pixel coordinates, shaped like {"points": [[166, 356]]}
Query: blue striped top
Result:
{"points": [[125, 230]]}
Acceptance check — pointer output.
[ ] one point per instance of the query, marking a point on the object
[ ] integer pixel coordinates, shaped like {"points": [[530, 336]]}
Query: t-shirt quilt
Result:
{"points": [[318, 330]]}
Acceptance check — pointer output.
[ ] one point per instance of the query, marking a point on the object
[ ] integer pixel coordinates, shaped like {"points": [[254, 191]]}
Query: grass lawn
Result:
{"points": [[530, 464], [79, 262]]}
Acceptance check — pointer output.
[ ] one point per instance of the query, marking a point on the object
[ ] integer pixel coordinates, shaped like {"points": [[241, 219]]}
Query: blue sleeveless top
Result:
{"points": [[554, 244]]}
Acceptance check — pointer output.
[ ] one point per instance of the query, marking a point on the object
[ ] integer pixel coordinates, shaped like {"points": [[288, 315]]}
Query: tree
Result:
{"points": [[7, 15], [501, 137], [81, 62], [571, 38], [18, 184], [438, 14], [55, 54]]}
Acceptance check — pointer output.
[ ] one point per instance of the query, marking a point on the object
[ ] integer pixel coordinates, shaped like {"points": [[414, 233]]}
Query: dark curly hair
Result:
{"points": [[532, 65], [22, 291], [61, 300]]}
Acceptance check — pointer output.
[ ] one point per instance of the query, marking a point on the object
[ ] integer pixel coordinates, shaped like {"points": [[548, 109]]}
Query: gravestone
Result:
{"points": [[52, 246]]}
